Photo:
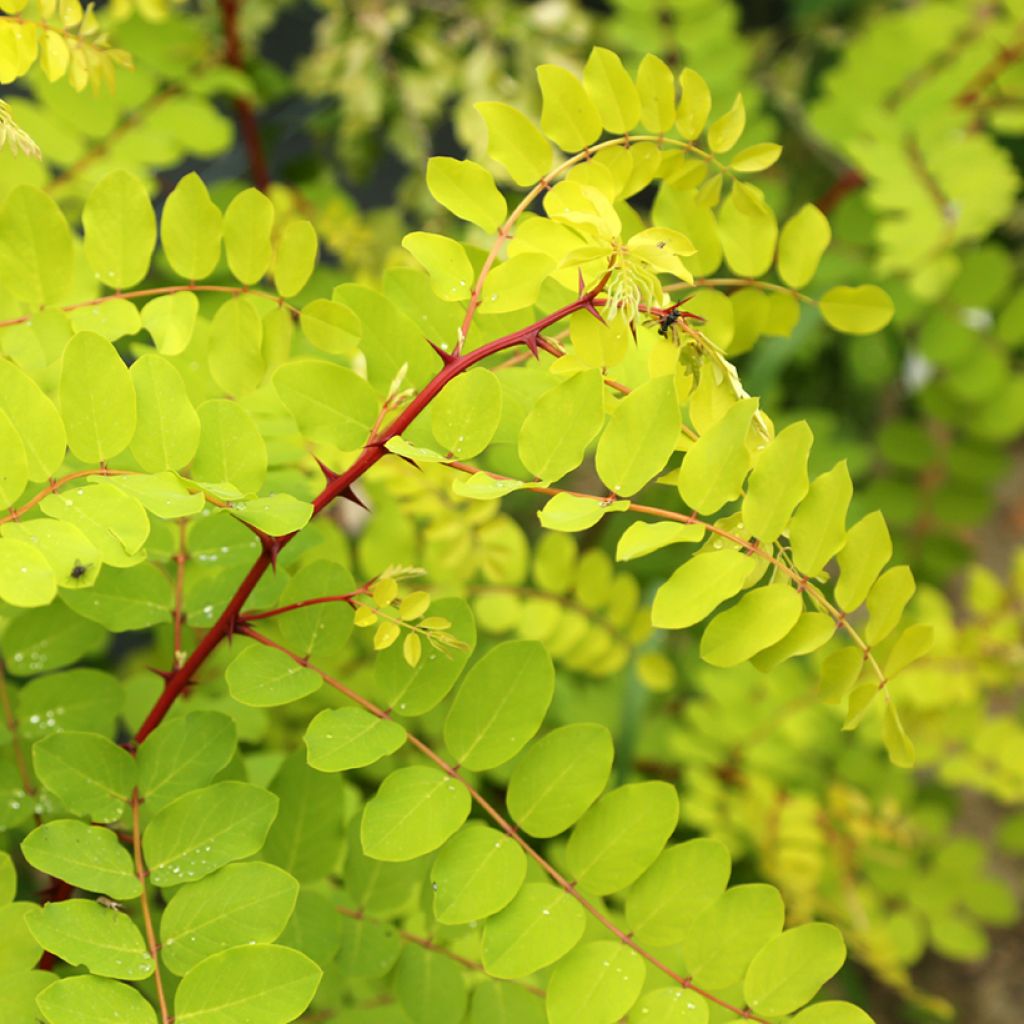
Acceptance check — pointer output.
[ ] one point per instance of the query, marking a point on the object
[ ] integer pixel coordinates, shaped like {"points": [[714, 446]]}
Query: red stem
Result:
{"points": [[372, 452], [243, 108]]}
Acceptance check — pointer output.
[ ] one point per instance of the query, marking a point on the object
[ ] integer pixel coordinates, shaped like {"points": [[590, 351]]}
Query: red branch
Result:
{"points": [[338, 485], [243, 108]]}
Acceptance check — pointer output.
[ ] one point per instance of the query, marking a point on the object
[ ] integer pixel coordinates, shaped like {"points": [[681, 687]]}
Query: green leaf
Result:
{"points": [[514, 141], [468, 190], [414, 811], [612, 90], [87, 772], [714, 469], [331, 326], [839, 671], [330, 404], [724, 938], [571, 513], [340, 739], [476, 873], [19, 950], [120, 230], [235, 355], [562, 422], [640, 437], [205, 829], [694, 106], [163, 494], [125, 599], [49, 638], [818, 530], [913, 643], [802, 243], [724, 133], [894, 736], [276, 514], [295, 257], [415, 690], [643, 538], [778, 483], [82, 699], [886, 601], [97, 398], [559, 777], [18, 996], [392, 342], [495, 1003], [672, 1006], [466, 414], [500, 704], [190, 229], [39, 424], [100, 938], [264, 677], [657, 90], [698, 587], [248, 224], [595, 984], [231, 448], [864, 309], [305, 836], [682, 883], [445, 260], [748, 231], [85, 1000], [430, 988], [516, 283], [812, 630], [318, 631], [758, 157], [171, 321], [789, 971], [36, 259], [568, 115], [167, 433], [26, 577], [868, 547], [8, 878], [619, 838], [241, 903], [115, 522], [63, 546], [832, 1013], [759, 619], [86, 856], [537, 928], [253, 984]]}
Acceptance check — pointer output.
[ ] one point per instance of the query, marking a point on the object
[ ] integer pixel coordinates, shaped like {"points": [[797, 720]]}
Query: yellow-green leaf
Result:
{"points": [[694, 106], [864, 309], [802, 243], [612, 90], [657, 90], [515, 142], [726, 131], [568, 114], [468, 190]]}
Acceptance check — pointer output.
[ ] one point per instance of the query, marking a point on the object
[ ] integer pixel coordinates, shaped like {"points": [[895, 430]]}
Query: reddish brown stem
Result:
{"points": [[247, 123], [147, 919], [373, 451]]}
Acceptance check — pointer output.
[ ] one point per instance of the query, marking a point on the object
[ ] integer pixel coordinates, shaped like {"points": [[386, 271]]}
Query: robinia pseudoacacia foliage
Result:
{"points": [[182, 442]]}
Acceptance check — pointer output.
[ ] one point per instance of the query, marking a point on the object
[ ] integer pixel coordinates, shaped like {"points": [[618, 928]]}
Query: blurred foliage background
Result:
{"points": [[905, 123]]}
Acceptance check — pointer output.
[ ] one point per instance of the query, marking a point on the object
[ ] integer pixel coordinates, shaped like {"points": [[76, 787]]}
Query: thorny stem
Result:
{"points": [[337, 485], [171, 289], [510, 830], [433, 947], [803, 583], [147, 919]]}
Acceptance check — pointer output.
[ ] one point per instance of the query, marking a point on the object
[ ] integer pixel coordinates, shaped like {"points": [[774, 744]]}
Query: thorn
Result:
{"points": [[582, 286], [351, 495], [404, 458], [328, 473], [532, 343], [445, 357], [632, 330], [165, 676], [271, 548], [592, 310]]}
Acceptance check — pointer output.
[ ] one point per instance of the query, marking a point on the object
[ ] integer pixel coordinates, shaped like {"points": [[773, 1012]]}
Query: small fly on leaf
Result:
{"points": [[78, 570], [666, 319]]}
